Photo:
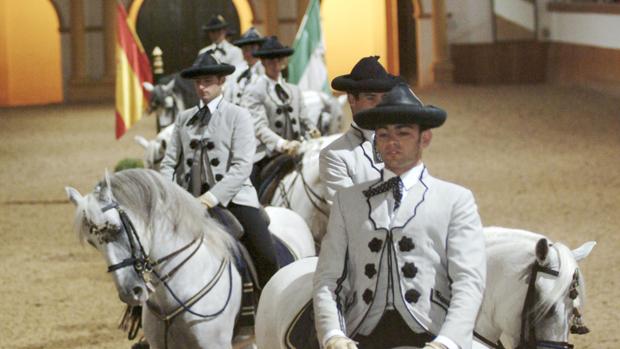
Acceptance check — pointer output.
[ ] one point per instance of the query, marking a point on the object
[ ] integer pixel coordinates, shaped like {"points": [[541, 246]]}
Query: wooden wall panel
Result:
{"points": [[579, 64]]}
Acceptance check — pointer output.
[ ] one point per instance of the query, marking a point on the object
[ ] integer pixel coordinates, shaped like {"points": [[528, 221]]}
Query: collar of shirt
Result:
{"points": [[255, 69], [212, 105], [409, 178], [369, 135], [272, 83]]}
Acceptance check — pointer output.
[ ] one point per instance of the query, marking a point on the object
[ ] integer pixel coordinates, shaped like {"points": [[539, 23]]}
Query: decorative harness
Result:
{"points": [[528, 338], [146, 268]]}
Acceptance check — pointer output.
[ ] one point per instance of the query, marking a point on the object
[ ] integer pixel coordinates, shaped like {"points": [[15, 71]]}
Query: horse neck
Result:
{"points": [[504, 294]]}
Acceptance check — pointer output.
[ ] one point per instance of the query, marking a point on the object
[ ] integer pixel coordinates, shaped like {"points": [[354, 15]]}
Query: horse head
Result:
{"points": [[99, 222], [154, 150], [555, 297]]}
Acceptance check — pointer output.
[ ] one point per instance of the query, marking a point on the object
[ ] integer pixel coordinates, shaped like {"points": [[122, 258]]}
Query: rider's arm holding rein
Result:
{"points": [[328, 295], [466, 263], [242, 149], [173, 151]]}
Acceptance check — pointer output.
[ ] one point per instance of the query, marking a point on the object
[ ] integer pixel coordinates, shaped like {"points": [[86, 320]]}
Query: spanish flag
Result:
{"points": [[132, 69]]}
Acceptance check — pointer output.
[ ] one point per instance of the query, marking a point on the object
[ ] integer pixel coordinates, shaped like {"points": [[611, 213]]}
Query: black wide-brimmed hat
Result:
{"points": [[272, 48], [368, 75], [206, 64], [400, 106], [250, 37], [216, 22]]}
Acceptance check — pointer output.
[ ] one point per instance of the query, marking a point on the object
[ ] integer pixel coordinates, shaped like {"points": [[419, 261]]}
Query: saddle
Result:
{"points": [[271, 174]]}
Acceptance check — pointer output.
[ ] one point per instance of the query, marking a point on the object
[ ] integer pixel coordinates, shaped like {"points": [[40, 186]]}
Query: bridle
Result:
{"points": [[528, 338], [145, 267]]}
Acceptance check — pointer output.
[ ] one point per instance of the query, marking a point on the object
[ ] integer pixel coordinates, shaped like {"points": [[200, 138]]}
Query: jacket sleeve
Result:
{"points": [[243, 147], [330, 278], [467, 270], [173, 152], [333, 172], [253, 101]]}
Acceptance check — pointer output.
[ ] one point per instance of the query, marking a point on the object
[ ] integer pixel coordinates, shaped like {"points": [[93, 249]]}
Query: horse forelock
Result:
{"points": [[163, 207]]}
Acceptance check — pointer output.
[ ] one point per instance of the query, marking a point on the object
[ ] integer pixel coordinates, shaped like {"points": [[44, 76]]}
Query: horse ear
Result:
{"points": [[141, 141], [542, 251], [148, 86], [105, 194], [74, 195], [583, 251], [169, 86]]}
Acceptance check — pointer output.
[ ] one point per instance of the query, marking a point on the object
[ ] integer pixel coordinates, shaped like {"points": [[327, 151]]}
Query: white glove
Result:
{"points": [[208, 200], [314, 133], [339, 342], [434, 345], [291, 147]]}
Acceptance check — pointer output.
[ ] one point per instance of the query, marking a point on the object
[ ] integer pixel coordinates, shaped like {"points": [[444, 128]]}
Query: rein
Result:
{"points": [[142, 264]]}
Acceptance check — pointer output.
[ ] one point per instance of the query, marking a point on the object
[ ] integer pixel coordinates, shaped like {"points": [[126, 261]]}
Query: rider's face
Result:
{"points": [[401, 146], [208, 87], [364, 100], [273, 66], [247, 53]]}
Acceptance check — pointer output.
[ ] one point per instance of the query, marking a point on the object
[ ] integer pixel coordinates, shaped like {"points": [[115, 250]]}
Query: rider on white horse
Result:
{"points": [[211, 154], [248, 73], [220, 48], [403, 261], [351, 159], [278, 107]]}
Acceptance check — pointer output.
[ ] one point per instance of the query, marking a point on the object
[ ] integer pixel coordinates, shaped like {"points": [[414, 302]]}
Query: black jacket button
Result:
{"points": [[215, 162], [406, 244], [375, 245], [290, 109], [218, 177], [367, 296], [189, 162], [210, 145], [204, 188], [370, 270], [295, 135], [412, 296], [194, 143], [278, 124], [409, 270]]}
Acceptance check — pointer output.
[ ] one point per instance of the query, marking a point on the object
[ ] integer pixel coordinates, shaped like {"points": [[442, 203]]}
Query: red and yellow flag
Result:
{"points": [[132, 69]]}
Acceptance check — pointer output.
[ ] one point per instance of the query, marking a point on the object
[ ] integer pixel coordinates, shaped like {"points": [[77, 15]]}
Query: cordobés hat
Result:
{"points": [[250, 37], [216, 22], [400, 106], [272, 48], [368, 75], [206, 64]]}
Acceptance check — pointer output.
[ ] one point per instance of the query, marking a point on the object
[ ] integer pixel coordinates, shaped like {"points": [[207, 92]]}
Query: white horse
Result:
{"points": [[166, 254], [533, 298], [302, 190], [154, 150]]}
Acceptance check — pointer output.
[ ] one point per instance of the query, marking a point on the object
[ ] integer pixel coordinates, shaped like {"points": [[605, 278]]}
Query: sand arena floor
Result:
{"points": [[541, 158]]}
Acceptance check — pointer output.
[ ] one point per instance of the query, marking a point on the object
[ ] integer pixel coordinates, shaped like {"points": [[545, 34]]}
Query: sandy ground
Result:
{"points": [[542, 158]]}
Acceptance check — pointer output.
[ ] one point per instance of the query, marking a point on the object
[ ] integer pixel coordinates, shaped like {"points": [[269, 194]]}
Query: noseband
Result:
{"points": [[528, 338]]}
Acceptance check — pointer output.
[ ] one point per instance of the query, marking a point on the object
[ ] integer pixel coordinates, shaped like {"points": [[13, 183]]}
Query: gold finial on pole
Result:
{"points": [[158, 64]]}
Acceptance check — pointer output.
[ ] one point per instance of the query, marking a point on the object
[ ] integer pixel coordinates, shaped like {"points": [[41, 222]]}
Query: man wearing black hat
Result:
{"points": [[211, 154], [403, 261], [220, 48], [249, 72], [277, 106], [351, 159]]}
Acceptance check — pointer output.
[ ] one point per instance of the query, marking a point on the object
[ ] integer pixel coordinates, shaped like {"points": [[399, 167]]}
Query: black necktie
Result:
{"points": [[395, 184], [203, 115], [281, 93], [213, 50]]}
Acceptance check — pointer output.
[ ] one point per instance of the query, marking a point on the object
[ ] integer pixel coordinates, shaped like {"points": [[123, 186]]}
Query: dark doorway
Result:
{"points": [[176, 27], [407, 47]]}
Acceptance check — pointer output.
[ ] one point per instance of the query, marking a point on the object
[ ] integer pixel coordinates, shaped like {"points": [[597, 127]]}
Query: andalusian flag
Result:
{"points": [[132, 69], [306, 66]]}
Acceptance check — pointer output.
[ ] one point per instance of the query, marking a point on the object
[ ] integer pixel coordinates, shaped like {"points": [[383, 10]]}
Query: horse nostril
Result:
{"points": [[137, 291]]}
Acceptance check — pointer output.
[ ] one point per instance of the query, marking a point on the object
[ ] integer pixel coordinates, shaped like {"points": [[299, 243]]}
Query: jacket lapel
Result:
{"points": [[378, 210], [366, 147]]}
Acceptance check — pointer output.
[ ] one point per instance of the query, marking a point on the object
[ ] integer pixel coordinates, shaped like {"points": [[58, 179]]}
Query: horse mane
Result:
{"points": [[152, 198], [524, 242]]}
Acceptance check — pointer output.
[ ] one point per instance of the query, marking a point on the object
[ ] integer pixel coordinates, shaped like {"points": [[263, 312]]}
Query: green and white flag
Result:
{"points": [[307, 67]]}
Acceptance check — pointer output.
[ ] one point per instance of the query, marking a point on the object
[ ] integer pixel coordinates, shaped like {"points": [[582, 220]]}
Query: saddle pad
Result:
{"points": [[283, 253], [301, 333]]}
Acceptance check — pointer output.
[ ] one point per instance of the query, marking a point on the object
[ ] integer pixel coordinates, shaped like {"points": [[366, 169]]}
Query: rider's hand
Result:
{"points": [[340, 342], [208, 200], [435, 345], [291, 148], [314, 133]]}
